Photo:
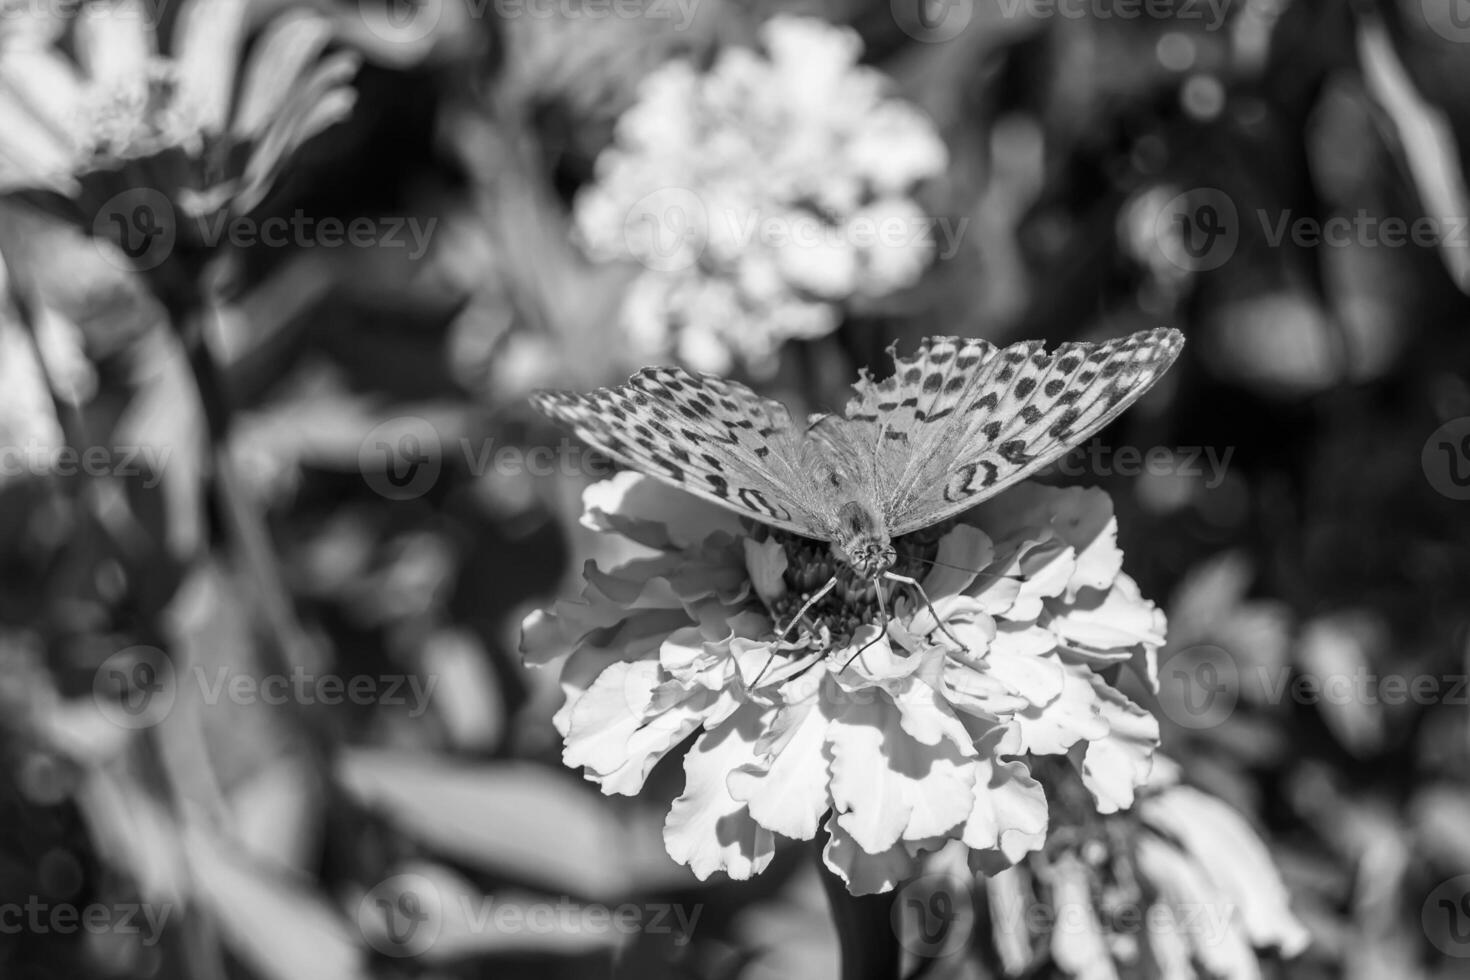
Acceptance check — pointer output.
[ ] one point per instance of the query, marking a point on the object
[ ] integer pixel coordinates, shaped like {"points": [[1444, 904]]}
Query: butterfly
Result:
{"points": [[957, 422]]}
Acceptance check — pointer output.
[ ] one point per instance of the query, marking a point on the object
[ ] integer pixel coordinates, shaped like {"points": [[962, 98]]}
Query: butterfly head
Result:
{"points": [[862, 542]]}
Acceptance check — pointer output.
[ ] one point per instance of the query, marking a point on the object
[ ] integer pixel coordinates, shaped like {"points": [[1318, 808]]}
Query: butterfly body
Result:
{"points": [[956, 423], [862, 542]]}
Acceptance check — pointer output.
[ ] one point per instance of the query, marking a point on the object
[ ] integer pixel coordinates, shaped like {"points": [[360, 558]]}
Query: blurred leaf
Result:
{"points": [[278, 811], [275, 922], [1440, 815], [1338, 653], [513, 819], [135, 833], [468, 699], [1427, 140], [462, 921]]}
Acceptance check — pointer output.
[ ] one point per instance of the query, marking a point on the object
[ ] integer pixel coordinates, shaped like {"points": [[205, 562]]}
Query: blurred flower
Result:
{"points": [[906, 739], [762, 197], [1181, 887], [1197, 853], [199, 127]]}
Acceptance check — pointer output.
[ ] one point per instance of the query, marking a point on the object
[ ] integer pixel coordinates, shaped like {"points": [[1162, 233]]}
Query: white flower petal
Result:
{"points": [[207, 39], [708, 829], [1021, 659], [1010, 898], [963, 553], [1233, 856], [1116, 620], [869, 874], [788, 794], [1047, 567], [114, 44], [1099, 560], [1077, 944], [1009, 813], [1206, 915], [927, 716], [633, 497], [609, 735], [278, 60], [48, 89], [766, 562], [980, 694], [886, 785], [1074, 715], [1117, 764]]}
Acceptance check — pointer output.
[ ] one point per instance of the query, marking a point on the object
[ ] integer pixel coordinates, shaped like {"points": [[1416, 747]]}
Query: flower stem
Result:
{"points": [[865, 933]]}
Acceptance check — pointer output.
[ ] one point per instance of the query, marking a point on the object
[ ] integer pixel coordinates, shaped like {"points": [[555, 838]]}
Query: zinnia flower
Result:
{"points": [[197, 129], [894, 741], [763, 197]]}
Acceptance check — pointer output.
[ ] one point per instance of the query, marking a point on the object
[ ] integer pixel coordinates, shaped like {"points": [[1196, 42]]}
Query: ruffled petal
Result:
{"points": [[787, 793], [1111, 623], [707, 828], [1075, 714], [1009, 813], [1114, 766], [611, 734], [888, 786], [868, 874]]}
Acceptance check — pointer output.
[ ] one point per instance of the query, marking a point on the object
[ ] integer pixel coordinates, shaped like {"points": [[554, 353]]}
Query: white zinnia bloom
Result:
{"points": [[762, 197], [892, 742]]}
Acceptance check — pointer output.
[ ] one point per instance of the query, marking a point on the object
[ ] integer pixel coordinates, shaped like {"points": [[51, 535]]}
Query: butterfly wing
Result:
{"points": [[713, 438], [960, 420]]}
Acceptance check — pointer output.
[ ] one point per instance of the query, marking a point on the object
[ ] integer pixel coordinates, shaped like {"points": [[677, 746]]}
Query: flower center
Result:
{"points": [[853, 601]]}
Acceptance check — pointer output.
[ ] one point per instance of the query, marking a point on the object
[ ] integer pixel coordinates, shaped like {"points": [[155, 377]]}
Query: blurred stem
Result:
{"points": [[180, 287], [865, 932]]}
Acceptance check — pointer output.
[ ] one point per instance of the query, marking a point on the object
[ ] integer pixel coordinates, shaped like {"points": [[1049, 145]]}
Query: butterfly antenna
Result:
{"points": [[906, 580], [961, 568]]}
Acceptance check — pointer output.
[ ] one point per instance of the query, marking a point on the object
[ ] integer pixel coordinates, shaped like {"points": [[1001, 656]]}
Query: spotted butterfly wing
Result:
{"points": [[716, 439], [960, 420]]}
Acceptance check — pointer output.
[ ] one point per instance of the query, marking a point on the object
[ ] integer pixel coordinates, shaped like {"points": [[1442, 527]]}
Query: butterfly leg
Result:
{"points": [[806, 606], [906, 580], [882, 625], [816, 597]]}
